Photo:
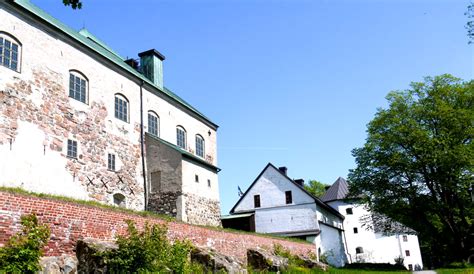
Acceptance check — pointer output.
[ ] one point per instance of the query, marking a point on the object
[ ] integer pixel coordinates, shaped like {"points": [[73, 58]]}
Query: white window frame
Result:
{"points": [[82, 85], [201, 149], [181, 137], [121, 107], [153, 129], [13, 42]]}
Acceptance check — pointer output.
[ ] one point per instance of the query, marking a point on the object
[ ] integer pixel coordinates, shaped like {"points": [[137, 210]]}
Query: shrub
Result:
{"points": [[148, 251], [23, 250], [293, 260]]}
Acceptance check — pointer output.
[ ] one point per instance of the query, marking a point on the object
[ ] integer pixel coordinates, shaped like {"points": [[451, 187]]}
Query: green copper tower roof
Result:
{"points": [[88, 40]]}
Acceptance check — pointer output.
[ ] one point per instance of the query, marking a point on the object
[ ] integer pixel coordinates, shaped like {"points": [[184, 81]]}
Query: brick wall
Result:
{"points": [[70, 221]]}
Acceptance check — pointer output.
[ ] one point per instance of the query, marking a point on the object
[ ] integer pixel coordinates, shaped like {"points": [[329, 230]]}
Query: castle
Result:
{"points": [[78, 120]]}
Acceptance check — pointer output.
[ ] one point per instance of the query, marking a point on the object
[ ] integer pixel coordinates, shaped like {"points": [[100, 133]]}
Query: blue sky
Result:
{"points": [[289, 82]]}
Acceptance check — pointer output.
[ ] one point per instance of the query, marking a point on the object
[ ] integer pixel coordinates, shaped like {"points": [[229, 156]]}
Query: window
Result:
{"points": [[119, 200], [72, 149], [288, 197], [196, 178], [256, 200], [359, 250], [208, 183], [410, 267], [349, 211], [181, 137], [405, 238], [153, 123], [78, 86], [199, 146], [356, 230], [111, 162], [9, 52], [121, 108], [407, 253]]}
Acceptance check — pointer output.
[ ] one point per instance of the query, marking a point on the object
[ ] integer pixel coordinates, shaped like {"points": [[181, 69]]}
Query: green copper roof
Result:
{"points": [[91, 42], [185, 153]]}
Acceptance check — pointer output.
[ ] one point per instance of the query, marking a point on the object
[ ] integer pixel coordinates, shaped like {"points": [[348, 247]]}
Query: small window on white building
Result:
{"points": [[196, 178], [359, 250], [405, 238], [407, 253], [72, 149], [111, 162], [153, 123], [256, 201], [78, 86], [208, 182], [119, 200], [10, 52], [288, 197], [121, 108], [356, 230], [349, 211], [199, 146], [181, 137], [410, 267]]}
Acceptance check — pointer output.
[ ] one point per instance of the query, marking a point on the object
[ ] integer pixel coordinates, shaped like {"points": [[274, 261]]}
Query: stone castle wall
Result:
{"points": [[69, 222]]}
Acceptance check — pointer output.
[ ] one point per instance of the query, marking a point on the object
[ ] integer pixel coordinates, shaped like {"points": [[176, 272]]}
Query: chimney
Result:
{"points": [[151, 63], [300, 182], [132, 62], [283, 169]]}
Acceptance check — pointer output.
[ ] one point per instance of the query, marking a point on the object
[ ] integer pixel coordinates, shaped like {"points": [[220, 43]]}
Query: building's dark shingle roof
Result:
{"points": [[337, 191]]}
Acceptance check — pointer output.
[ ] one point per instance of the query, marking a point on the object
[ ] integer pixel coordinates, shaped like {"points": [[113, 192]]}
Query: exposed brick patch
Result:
{"points": [[69, 222]]}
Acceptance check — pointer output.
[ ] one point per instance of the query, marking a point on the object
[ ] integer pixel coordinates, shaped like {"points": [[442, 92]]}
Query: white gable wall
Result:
{"points": [[288, 219]]}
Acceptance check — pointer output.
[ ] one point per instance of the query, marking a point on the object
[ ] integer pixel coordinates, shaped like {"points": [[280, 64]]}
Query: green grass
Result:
{"points": [[469, 270]]}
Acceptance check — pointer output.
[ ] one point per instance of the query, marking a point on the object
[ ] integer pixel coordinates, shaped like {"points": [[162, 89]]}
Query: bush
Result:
{"points": [[23, 250], [293, 260], [148, 251]]}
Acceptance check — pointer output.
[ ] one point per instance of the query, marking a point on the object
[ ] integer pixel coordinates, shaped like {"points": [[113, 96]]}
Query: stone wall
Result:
{"points": [[200, 210], [69, 222]]}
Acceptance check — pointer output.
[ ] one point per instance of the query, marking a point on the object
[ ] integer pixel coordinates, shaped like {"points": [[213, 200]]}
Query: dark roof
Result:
{"points": [[87, 40], [316, 199], [338, 191]]}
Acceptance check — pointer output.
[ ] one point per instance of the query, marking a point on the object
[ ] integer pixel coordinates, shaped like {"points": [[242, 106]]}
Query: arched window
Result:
{"points": [[78, 86], [121, 107], [153, 123], [119, 200], [10, 51], [199, 146], [359, 250], [181, 137]]}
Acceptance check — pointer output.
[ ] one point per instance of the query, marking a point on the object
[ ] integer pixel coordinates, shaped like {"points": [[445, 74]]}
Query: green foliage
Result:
{"points": [[417, 164], [23, 250], [293, 260], [148, 251], [470, 24], [75, 4], [399, 260], [316, 188]]}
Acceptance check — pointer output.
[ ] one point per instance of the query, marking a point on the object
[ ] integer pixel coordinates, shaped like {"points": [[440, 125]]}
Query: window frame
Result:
{"points": [[356, 230], [77, 74], [117, 112], [123, 202], [13, 41], [349, 211], [256, 201], [288, 197], [405, 238], [153, 114], [407, 253], [359, 250], [203, 149], [182, 129], [111, 162], [72, 149]]}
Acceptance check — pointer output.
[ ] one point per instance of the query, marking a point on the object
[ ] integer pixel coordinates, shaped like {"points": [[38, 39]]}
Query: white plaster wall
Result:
{"points": [[27, 166], [200, 188], [41, 49], [377, 247], [271, 187], [331, 243], [297, 218]]}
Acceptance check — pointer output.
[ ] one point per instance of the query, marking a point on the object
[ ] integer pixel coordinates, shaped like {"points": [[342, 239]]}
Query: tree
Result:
{"points": [[75, 4], [416, 166], [316, 188], [470, 23]]}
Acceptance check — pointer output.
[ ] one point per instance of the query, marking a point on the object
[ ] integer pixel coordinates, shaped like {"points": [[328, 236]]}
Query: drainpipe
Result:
{"points": [[142, 144]]}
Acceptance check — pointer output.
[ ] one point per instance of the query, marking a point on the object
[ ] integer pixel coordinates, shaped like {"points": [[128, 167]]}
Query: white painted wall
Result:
{"points": [[201, 188], [331, 243], [377, 248], [286, 219]]}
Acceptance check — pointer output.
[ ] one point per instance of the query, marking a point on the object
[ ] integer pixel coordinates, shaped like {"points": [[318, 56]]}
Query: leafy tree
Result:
{"points": [[416, 166], [316, 188], [22, 252], [75, 4], [470, 23]]}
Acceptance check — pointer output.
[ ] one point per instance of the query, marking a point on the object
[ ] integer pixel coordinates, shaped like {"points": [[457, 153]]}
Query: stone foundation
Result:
{"points": [[202, 211], [164, 203]]}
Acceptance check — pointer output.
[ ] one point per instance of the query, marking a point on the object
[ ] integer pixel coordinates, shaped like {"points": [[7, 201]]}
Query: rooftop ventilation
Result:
{"points": [[151, 65]]}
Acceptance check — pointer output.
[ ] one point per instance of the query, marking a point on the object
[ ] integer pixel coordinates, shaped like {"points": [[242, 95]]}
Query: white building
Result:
{"points": [[78, 120], [276, 204], [370, 245]]}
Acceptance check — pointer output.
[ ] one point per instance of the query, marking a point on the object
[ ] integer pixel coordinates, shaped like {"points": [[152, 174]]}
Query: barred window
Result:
{"points": [[121, 107], [181, 137], [78, 86], [10, 50], [111, 162], [153, 123], [72, 149], [199, 146]]}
